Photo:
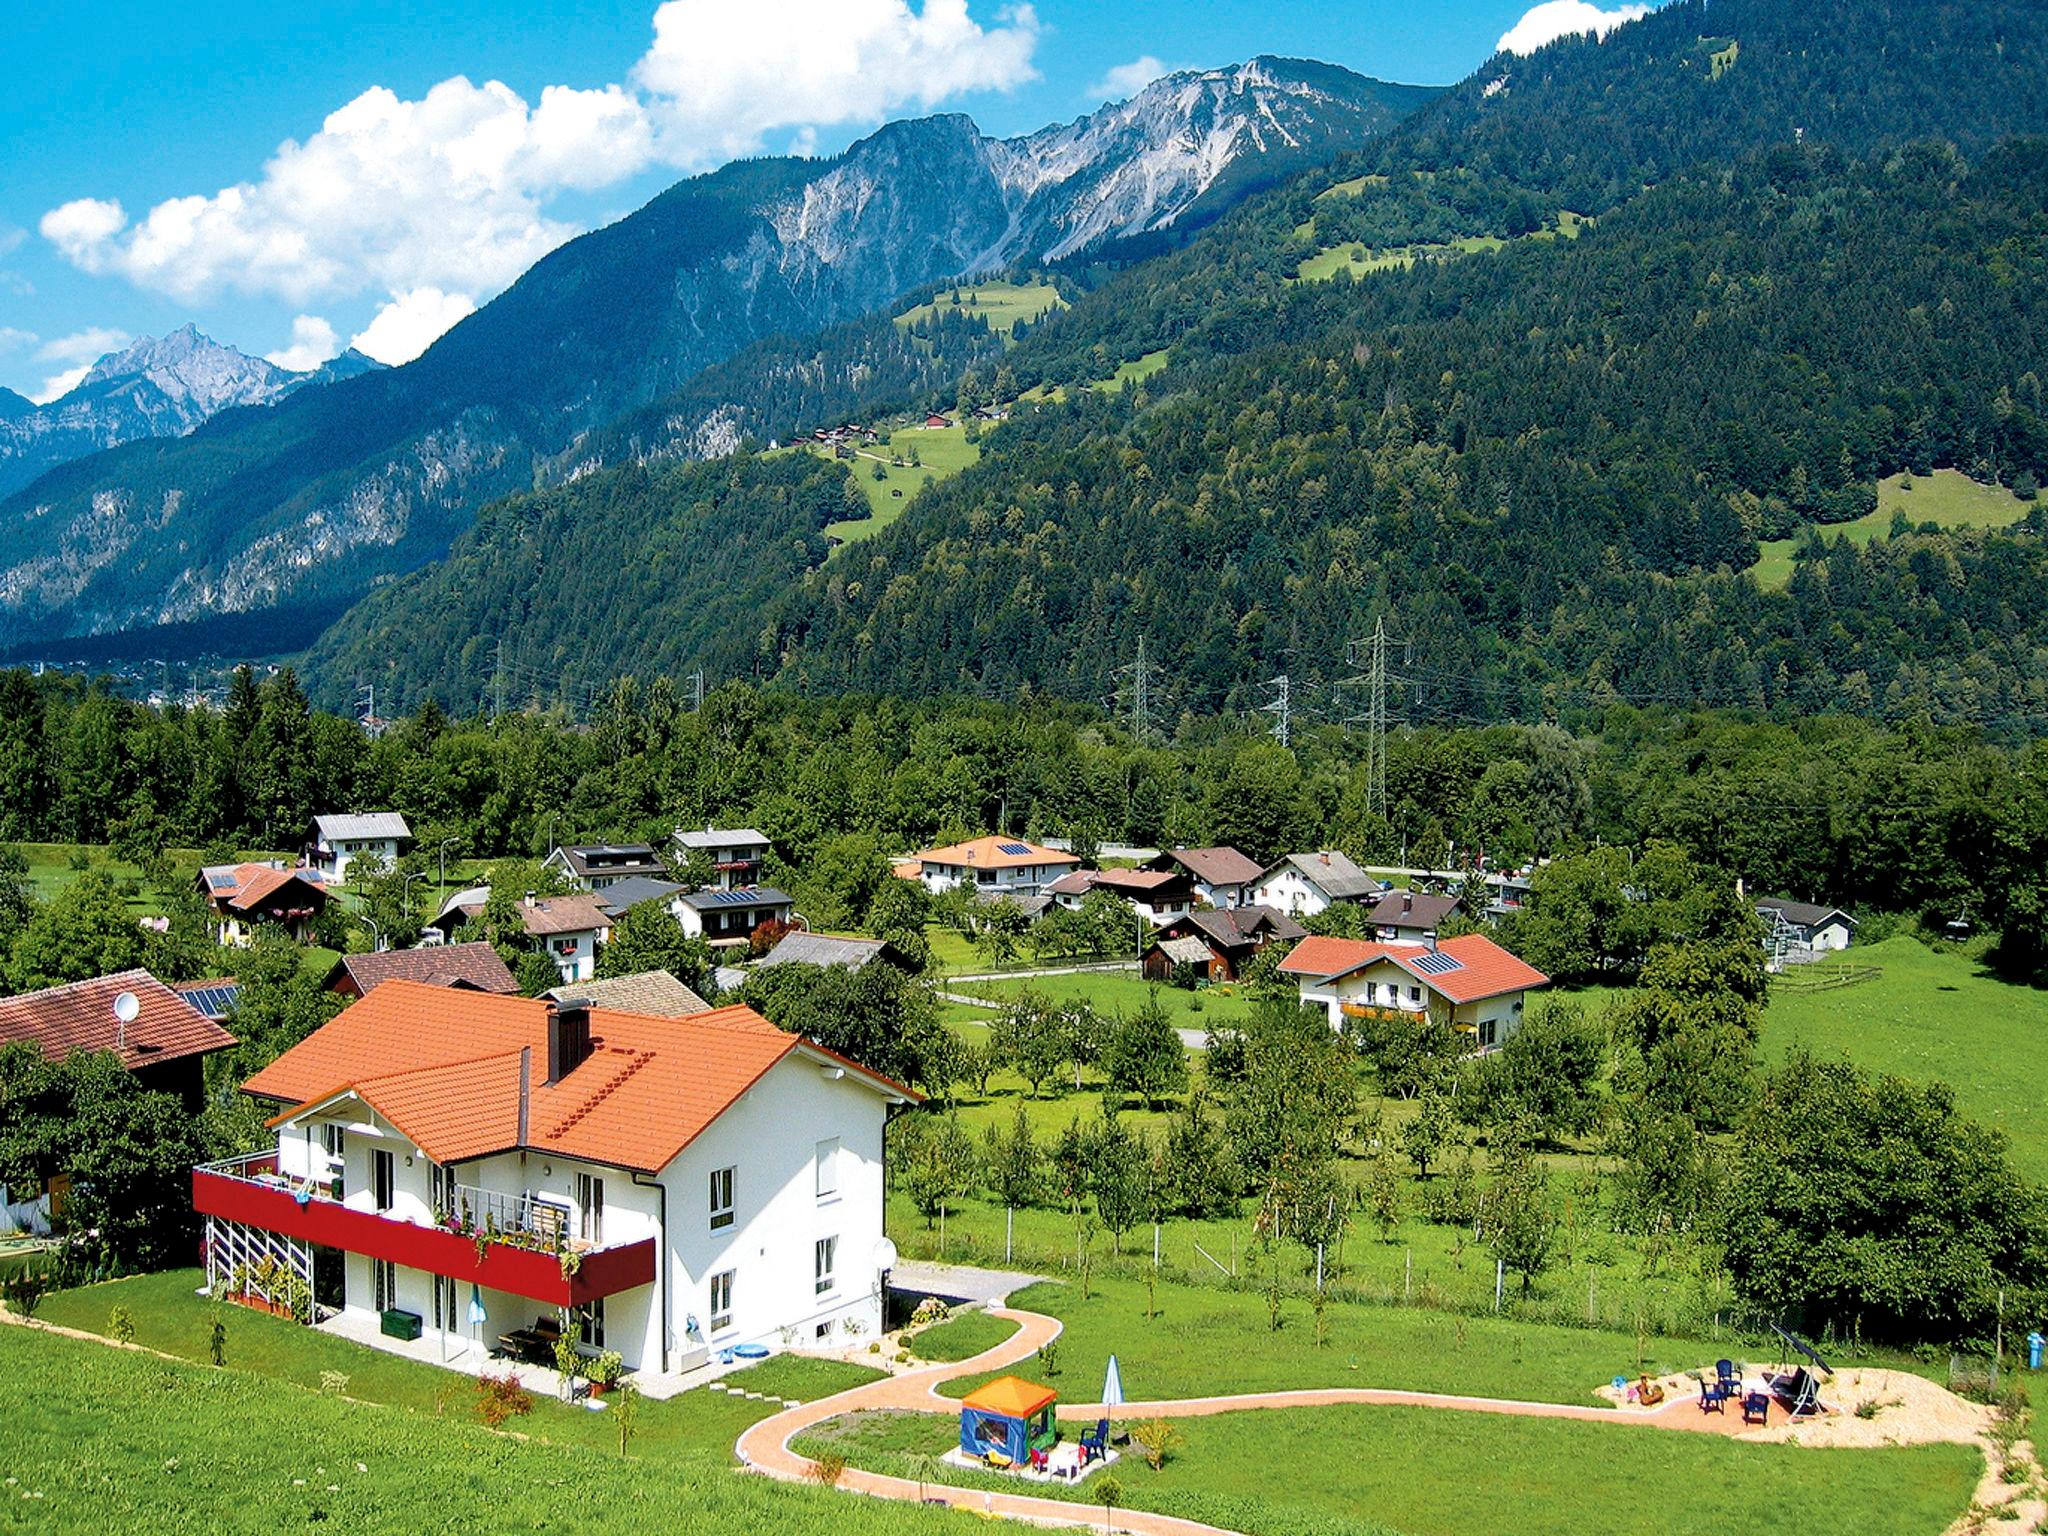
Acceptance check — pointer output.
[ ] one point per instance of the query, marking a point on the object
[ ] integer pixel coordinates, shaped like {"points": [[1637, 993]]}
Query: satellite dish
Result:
{"points": [[885, 1254], [127, 1007]]}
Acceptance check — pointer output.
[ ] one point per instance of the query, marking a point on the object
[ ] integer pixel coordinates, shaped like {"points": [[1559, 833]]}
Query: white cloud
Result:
{"points": [[432, 203], [87, 346], [1553, 19], [11, 236], [723, 75], [313, 342], [14, 339], [410, 323], [57, 385], [1126, 80]]}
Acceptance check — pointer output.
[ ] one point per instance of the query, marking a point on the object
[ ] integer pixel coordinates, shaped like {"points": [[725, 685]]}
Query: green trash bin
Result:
{"points": [[400, 1324]]}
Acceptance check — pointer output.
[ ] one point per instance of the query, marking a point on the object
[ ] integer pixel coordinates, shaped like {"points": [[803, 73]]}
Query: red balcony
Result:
{"points": [[249, 1191]]}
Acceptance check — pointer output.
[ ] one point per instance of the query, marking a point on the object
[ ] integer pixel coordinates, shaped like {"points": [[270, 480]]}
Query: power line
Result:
{"points": [[1281, 710], [1375, 717], [1138, 698]]}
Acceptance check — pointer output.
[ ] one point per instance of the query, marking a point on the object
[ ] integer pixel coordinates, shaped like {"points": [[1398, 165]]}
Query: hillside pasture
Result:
{"points": [[1948, 499], [1003, 305], [942, 452]]}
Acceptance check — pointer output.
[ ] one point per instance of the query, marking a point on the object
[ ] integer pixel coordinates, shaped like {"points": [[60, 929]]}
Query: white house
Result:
{"points": [[1469, 981], [338, 841], [1303, 884], [1221, 876], [737, 854], [991, 866], [726, 916], [1806, 925], [570, 929], [599, 866], [463, 1164], [1157, 895]]}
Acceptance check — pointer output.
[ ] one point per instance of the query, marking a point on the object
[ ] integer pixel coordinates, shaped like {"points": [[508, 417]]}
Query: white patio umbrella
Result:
{"points": [[476, 1313], [1112, 1388]]}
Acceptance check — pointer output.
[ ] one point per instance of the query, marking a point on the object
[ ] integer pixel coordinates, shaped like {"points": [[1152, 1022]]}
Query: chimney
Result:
{"points": [[568, 1038], [529, 898], [525, 1088], [1407, 902], [1324, 857]]}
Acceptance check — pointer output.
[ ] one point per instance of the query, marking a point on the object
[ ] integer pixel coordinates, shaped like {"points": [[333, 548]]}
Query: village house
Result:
{"points": [[1218, 943], [1471, 982], [1805, 925], [596, 866], [997, 866], [726, 916], [1157, 895], [654, 993], [241, 897], [475, 966], [1222, 876], [157, 1035], [850, 954], [737, 855], [1303, 884], [462, 1167], [568, 929], [336, 842], [622, 896], [1410, 917]]}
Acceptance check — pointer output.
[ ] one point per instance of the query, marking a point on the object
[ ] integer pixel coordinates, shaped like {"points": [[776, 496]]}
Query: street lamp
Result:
{"points": [[405, 891], [441, 881]]}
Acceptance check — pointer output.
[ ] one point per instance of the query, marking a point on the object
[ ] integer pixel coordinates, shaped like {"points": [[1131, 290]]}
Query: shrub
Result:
{"points": [[24, 1290], [828, 1468], [1156, 1438], [499, 1398], [121, 1324]]}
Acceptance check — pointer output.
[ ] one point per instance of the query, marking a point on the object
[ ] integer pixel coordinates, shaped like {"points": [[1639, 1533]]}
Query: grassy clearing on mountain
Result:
{"points": [[1003, 305], [1434, 1472], [95, 1439], [1932, 1015], [1356, 260], [1948, 499], [891, 481]]}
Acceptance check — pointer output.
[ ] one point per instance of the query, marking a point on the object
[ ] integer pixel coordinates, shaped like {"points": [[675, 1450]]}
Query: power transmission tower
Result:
{"points": [[1138, 698], [696, 690], [498, 679], [1281, 709], [1372, 656]]}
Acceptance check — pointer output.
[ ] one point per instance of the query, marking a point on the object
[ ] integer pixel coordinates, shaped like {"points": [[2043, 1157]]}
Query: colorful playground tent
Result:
{"points": [[1009, 1416]]}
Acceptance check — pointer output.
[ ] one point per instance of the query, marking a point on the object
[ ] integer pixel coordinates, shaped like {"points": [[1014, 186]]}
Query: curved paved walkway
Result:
{"points": [[765, 1447]]}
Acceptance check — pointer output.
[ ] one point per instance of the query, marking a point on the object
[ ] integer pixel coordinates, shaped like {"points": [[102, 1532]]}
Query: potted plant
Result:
{"points": [[605, 1372]]}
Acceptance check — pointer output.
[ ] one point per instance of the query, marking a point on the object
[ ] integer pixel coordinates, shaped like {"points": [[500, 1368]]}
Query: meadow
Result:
{"points": [[942, 452], [1948, 498], [1003, 305]]}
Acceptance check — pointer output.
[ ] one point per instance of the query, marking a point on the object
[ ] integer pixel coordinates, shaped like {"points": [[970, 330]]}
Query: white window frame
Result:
{"points": [[590, 1208], [383, 1179], [333, 1139], [825, 1264], [724, 1204], [825, 1166], [721, 1300]]}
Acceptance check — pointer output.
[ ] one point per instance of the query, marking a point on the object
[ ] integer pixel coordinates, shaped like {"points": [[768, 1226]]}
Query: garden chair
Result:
{"points": [[1756, 1409], [1713, 1397], [1095, 1442], [1731, 1379]]}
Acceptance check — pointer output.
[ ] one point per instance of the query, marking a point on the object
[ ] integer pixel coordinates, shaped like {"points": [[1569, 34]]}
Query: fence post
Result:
{"points": [[1500, 1270], [1009, 1233], [1408, 1275], [1319, 1266], [1592, 1289]]}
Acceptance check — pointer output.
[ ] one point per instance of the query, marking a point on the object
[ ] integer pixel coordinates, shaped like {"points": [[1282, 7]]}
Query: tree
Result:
{"points": [[1425, 1137], [1010, 1161], [1408, 1054], [1520, 1225], [1029, 1036], [277, 1004], [1546, 1075], [999, 926], [1145, 1055], [1204, 1182], [842, 879], [936, 1159], [1688, 1031], [876, 1015], [536, 973], [1298, 1092], [647, 937], [1870, 1204], [85, 930], [1117, 1162]]}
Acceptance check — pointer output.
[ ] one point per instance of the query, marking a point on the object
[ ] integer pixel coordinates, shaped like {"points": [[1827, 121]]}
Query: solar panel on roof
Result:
{"points": [[1435, 962], [1015, 850], [222, 882], [213, 1002]]}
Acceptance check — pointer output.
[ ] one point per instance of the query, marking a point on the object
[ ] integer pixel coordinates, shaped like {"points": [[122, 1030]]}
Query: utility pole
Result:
{"points": [[1281, 709], [1138, 697], [1372, 655]]}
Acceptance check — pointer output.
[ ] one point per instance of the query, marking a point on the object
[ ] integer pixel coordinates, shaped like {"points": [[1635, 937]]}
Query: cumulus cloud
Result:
{"points": [[1126, 80], [313, 342], [1553, 19], [86, 346], [58, 385], [14, 339], [410, 323], [721, 76], [432, 203]]}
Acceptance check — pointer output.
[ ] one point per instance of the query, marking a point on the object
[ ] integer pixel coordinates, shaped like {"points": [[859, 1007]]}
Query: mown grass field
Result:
{"points": [[942, 453], [100, 1440], [1110, 992], [1947, 498], [1002, 305], [1934, 1015], [170, 1316], [1353, 1470]]}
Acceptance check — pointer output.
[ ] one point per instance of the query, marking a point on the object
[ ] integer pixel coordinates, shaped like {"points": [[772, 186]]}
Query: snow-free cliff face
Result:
{"points": [[332, 489]]}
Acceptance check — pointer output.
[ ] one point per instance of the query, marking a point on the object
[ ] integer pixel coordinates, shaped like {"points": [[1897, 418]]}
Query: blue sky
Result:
{"points": [[293, 176]]}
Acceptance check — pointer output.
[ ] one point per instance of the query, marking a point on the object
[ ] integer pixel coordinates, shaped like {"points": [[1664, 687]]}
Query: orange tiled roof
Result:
{"points": [[80, 1017], [443, 1067], [987, 853], [1011, 1396], [1484, 969]]}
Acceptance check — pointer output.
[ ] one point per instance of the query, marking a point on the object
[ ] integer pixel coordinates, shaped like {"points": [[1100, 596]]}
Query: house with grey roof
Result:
{"points": [[850, 954], [598, 866], [725, 917], [336, 842], [1303, 884], [622, 896], [737, 855], [656, 994], [1805, 924]]}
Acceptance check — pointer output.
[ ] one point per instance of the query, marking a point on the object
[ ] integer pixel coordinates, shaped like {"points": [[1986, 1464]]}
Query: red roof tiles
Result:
{"points": [[1484, 969], [80, 1017]]}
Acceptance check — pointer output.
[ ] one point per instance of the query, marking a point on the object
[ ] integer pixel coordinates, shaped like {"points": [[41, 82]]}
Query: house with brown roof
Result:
{"points": [[159, 1036], [475, 966], [1219, 943], [993, 866], [655, 993], [1303, 884], [242, 897], [568, 929], [1411, 917], [1474, 984], [1157, 895], [466, 1166], [1223, 877]]}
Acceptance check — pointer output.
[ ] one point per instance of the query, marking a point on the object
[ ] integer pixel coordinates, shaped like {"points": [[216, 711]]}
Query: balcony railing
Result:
{"points": [[516, 1246]]}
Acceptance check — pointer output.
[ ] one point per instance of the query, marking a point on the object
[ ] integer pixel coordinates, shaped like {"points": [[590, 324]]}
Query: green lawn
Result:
{"points": [[169, 1316], [99, 1440], [1358, 1471], [1933, 1015], [1121, 991], [1136, 371], [1947, 498], [1003, 305], [961, 1336], [942, 452]]}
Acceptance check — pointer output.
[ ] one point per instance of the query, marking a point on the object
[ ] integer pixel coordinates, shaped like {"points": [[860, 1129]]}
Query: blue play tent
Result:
{"points": [[1009, 1416]]}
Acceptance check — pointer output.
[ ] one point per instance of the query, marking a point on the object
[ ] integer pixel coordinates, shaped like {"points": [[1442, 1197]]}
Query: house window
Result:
{"points": [[1488, 1033], [331, 1138], [383, 1179], [447, 1200], [828, 1168], [590, 1324], [721, 1301], [590, 1207], [721, 1198], [1415, 994], [825, 1265], [384, 1282]]}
